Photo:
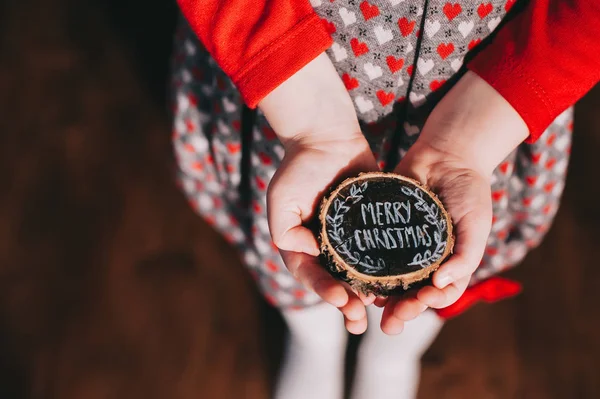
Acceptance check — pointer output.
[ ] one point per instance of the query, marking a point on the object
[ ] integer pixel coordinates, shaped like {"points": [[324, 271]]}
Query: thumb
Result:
{"points": [[287, 232]]}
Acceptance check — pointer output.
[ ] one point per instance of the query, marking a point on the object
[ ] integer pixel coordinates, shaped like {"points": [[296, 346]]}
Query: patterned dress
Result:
{"points": [[397, 58]]}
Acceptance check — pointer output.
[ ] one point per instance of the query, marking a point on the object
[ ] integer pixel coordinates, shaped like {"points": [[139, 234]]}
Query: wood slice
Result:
{"points": [[384, 233]]}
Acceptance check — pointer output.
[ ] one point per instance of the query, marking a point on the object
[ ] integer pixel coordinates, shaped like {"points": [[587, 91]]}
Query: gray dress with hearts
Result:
{"points": [[397, 58]]}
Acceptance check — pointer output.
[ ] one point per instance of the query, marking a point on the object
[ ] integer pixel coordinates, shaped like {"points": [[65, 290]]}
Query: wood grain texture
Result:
{"points": [[110, 287]]}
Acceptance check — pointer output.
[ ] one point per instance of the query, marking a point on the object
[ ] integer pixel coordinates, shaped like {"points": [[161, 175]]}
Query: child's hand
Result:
{"points": [[315, 120], [466, 137]]}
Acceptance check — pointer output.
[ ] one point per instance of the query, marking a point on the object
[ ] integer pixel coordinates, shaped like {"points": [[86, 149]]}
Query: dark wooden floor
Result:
{"points": [[110, 287]]}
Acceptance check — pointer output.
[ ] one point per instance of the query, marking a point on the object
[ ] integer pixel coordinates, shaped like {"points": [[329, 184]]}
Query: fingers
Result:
{"points": [[380, 301], [312, 275], [398, 311], [356, 327], [366, 299], [440, 298], [390, 324], [308, 272], [472, 231], [355, 315], [288, 233]]}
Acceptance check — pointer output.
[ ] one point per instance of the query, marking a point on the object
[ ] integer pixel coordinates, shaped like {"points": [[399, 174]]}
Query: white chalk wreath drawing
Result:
{"points": [[344, 247]]}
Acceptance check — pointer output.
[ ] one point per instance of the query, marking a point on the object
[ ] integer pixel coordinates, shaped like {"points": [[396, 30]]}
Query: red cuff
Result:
{"points": [[525, 95], [280, 60], [491, 290]]}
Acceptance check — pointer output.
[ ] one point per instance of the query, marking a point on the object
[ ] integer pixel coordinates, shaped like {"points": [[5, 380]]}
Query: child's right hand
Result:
{"points": [[315, 120]]}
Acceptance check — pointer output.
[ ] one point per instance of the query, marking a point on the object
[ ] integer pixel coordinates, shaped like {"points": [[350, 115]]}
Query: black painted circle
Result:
{"points": [[383, 226]]}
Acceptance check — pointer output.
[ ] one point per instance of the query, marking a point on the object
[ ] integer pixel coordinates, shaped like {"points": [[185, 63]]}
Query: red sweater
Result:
{"points": [[541, 62]]}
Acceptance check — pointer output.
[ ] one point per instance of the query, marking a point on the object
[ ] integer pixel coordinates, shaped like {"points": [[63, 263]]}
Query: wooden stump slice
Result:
{"points": [[383, 233]]}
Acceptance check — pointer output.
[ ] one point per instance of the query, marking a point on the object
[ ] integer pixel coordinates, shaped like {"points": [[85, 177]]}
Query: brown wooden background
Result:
{"points": [[110, 287]]}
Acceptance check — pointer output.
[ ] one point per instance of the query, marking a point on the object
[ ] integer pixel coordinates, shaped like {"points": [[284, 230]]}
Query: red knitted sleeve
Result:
{"points": [[258, 43], [545, 59]]}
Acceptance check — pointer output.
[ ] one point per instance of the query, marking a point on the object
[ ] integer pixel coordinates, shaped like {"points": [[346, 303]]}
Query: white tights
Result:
{"points": [[387, 366]]}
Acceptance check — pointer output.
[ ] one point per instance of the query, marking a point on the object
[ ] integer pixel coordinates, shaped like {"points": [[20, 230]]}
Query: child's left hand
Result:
{"points": [[470, 132]]}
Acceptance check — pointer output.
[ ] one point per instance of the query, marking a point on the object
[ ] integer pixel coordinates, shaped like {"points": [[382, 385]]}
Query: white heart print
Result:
{"points": [[465, 28], [347, 16], [228, 105], [432, 27], [383, 35], [373, 71], [339, 52], [416, 99], [456, 64], [493, 23], [424, 66], [411, 130], [363, 104]]}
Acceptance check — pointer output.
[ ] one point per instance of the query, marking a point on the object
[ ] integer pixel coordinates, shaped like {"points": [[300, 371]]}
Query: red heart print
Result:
{"points": [[436, 84], [550, 163], [359, 48], [547, 209], [217, 202], [551, 139], [531, 180], [369, 10], [256, 207], [270, 299], [299, 294], [233, 148], [452, 10], [473, 43], [329, 26], [349, 82], [445, 49], [209, 159], [193, 99], [484, 9], [189, 125], [272, 266], [230, 168], [269, 133], [236, 124], [211, 220], [536, 157], [527, 201], [260, 183], [497, 195], [197, 165], [549, 186], [502, 234], [406, 26], [409, 70], [265, 159], [504, 167], [509, 4], [491, 251], [198, 73], [385, 98], [395, 64]]}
